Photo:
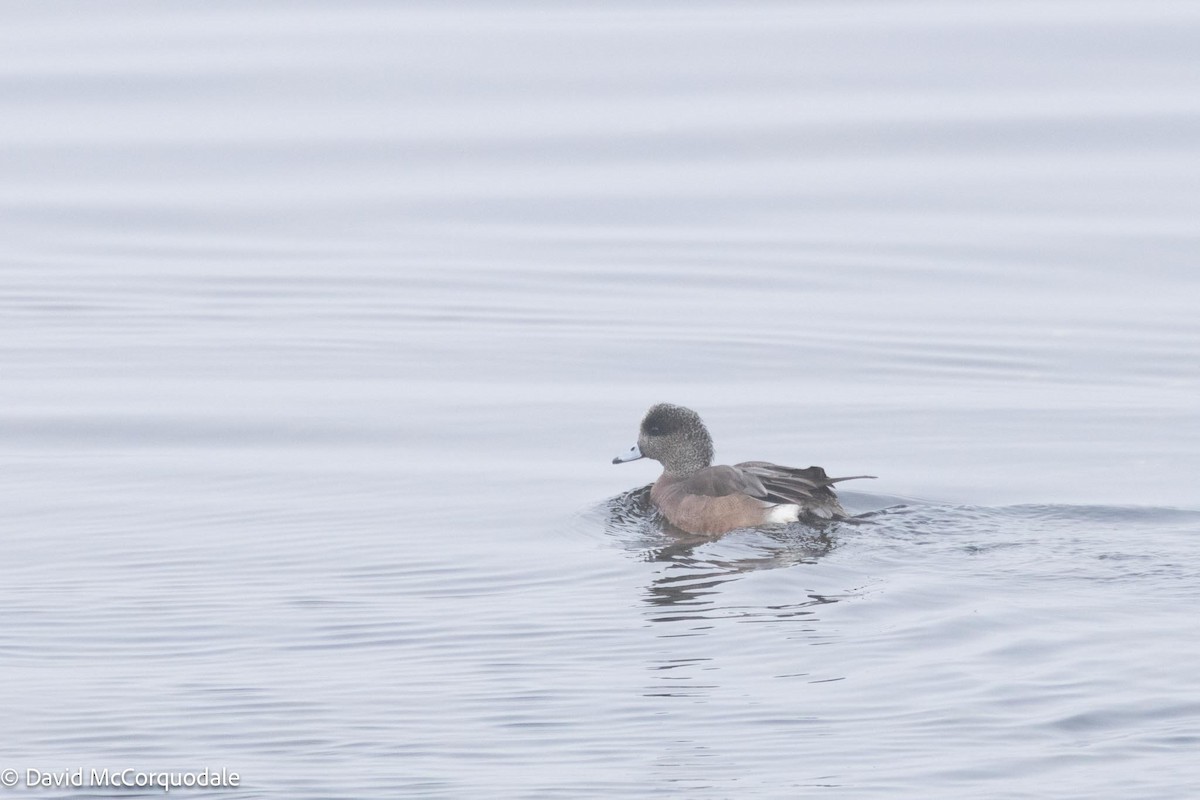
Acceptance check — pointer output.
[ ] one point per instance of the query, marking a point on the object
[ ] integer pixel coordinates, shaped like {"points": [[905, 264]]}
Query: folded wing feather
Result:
{"points": [[793, 484], [765, 481], [723, 480]]}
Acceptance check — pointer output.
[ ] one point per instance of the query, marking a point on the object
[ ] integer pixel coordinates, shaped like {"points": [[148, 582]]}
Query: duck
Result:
{"points": [[699, 498]]}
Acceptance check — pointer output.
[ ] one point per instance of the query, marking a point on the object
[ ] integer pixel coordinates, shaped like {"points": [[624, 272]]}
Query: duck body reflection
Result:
{"points": [[696, 565]]}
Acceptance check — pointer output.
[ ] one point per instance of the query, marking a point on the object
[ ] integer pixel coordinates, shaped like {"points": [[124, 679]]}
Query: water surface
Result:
{"points": [[320, 324]]}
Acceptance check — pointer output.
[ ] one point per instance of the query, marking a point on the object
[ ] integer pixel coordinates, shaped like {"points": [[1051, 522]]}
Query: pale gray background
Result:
{"points": [[320, 322]]}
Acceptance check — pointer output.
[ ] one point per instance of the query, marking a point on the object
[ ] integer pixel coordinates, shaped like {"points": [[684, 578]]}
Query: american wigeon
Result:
{"points": [[699, 498]]}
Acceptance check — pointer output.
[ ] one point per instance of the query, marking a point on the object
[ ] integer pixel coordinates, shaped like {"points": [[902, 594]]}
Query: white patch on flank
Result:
{"points": [[783, 513]]}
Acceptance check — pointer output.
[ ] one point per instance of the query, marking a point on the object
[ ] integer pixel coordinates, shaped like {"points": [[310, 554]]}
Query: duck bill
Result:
{"points": [[632, 454]]}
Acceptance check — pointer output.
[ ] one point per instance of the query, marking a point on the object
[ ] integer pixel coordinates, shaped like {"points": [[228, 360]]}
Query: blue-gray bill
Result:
{"points": [[632, 454]]}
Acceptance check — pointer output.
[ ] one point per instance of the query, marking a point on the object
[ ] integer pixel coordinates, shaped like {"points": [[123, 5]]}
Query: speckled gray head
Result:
{"points": [[675, 437]]}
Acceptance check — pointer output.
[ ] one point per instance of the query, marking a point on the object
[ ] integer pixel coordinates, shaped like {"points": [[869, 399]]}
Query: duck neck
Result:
{"points": [[688, 461]]}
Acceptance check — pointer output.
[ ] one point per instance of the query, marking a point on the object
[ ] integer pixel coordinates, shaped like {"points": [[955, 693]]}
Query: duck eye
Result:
{"points": [[654, 430]]}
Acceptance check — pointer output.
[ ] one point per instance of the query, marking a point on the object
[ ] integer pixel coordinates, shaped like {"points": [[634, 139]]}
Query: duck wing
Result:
{"points": [[724, 480], [796, 485]]}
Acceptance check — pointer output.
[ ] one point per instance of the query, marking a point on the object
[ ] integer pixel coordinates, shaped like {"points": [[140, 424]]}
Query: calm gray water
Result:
{"points": [[321, 322]]}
